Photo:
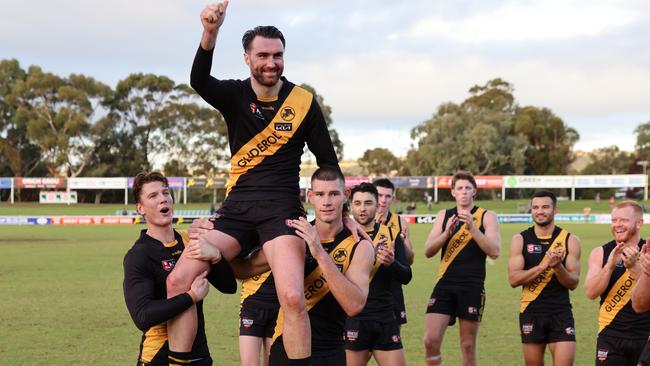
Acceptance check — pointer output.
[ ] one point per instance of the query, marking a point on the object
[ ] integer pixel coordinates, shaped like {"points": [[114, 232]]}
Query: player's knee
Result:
{"points": [[468, 347], [293, 302], [176, 284], [432, 343]]}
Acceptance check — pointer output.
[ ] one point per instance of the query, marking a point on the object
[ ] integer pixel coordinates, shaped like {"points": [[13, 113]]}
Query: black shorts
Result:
{"points": [[335, 357], [257, 321], [644, 360], [400, 315], [254, 223], [465, 303], [372, 335], [547, 328], [613, 351], [207, 361]]}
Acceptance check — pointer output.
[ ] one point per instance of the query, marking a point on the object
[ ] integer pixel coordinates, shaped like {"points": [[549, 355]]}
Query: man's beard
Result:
{"points": [[258, 75], [544, 223]]}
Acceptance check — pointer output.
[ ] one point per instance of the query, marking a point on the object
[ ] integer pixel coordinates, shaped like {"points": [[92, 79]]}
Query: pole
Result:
{"points": [[435, 189], [12, 191]]}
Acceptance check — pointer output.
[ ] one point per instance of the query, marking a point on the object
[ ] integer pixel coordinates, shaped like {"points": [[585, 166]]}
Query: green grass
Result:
{"points": [[509, 206], [62, 304]]}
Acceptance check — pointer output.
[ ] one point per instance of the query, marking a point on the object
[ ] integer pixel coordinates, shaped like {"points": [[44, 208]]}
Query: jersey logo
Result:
{"points": [[288, 113], [534, 248], [282, 126], [340, 255], [256, 111], [168, 264], [602, 354]]}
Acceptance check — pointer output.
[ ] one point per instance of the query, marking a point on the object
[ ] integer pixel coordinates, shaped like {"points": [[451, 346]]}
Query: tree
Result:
{"points": [[58, 115], [327, 114], [165, 122], [20, 156], [476, 139], [642, 147], [550, 140], [379, 161], [609, 160]]}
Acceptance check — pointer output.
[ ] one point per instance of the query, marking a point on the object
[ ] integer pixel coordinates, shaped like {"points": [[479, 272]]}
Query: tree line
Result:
{"points": [[489, 133]]}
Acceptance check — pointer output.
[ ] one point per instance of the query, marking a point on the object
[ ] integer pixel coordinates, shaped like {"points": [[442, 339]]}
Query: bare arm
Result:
{"points": [[568, 274], [598, 275], [490, 242], [250, 266], [406, 238], [212, 18], [351, 289], [438, 236], [517, 275], [641, 294]]}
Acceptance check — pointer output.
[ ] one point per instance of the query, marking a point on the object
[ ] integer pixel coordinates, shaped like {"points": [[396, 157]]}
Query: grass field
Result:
{"points": [[61, 301]]}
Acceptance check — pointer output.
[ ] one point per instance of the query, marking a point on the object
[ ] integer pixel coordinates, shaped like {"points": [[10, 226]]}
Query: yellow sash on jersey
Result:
{"points": [[458, 242], [530, 292], [619, 295], [316, 286], [266, 143], [383, 233], [394, 225], [250, 286]]}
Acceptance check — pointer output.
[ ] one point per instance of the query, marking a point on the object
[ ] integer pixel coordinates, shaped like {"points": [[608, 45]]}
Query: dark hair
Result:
{"points": [[463, 175], [328, 174], [365, 188], [265, 31], [385, 183], [146, 177], [548, 194]]}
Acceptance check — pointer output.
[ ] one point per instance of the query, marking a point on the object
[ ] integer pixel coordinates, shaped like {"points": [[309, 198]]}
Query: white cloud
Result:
{"points": [[540, 20]]}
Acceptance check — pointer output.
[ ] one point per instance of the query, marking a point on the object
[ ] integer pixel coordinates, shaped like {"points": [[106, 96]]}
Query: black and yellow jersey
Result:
{"points": [[266, 137], [326, 316], [545, 294], [146, 266], [259, 292], [462, 261], [394, 223], [616, 317], [380, 303]]}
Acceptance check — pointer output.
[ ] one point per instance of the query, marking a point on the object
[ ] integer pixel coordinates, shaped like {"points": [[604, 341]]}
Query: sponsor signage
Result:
{"points": [[25, 220], [57, 197], [91, 220], [482, 181], [511, 219], [5, 183], [354, 181], [96, 183], [40, 182], [218, 182], [538, 181], [412, 182], [174, 182], [610, 181]]}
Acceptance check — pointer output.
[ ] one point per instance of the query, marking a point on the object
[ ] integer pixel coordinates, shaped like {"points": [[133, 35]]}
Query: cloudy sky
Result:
{"points": [[383, 66]]}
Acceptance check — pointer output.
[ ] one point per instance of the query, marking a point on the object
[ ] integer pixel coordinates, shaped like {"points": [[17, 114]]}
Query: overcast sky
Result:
{"points": [[383, 66]]}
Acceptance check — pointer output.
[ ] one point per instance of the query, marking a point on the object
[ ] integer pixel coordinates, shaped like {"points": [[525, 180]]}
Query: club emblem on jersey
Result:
{"points": [[287, 113], [534, 248], [283, 126], [168, 264], [340, 255]]}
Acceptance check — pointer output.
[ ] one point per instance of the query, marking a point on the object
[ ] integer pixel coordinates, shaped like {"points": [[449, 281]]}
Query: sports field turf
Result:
{"points": [[61, 301]]}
